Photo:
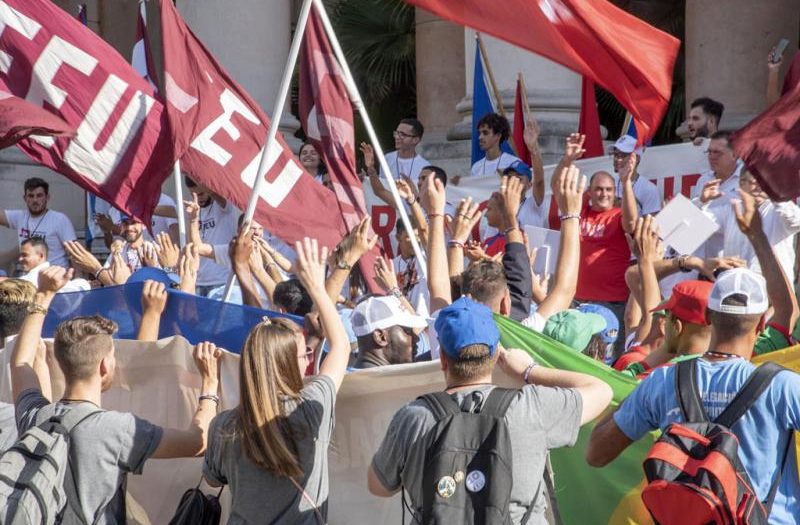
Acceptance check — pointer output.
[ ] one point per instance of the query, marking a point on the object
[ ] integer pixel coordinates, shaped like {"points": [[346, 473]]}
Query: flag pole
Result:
{"points": [[524, 89], [488, 69], [176, 176], [280, 104], [355, 98]]}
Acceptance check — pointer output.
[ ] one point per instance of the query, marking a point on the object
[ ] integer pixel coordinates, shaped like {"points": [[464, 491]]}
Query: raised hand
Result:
{"points": [[148, 255], [645, 237], [189, 265], [511, 188], [192, 207], [310, 265], [168, 253], [432, 196], [53, 278], [118, 268], [710, 191], [573, 149], [627, 169], [242, 246], [569, 188], [747, 216], [467, 216], [474, 251], [369, 156], [404, 190], [385, 275], [206, 358], [154, 297], [104, 222], [531, 134], [81, 258], [708, 267]]}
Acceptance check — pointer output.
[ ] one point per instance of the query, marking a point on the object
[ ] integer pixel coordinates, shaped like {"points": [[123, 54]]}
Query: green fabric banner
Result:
{"points": [[586, 494]]}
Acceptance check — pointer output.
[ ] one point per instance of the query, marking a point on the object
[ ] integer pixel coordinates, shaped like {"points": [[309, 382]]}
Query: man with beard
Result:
{"points": [[39, 221], [704, 117], [104, 445], [216, 218], [385, 332]]}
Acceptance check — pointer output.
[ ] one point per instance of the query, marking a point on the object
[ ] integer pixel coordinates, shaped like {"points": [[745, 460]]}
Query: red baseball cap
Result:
{"points": [[688, 301]]}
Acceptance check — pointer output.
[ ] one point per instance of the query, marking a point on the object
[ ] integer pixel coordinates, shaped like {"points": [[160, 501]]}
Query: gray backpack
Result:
{"points": [[34, 469]]}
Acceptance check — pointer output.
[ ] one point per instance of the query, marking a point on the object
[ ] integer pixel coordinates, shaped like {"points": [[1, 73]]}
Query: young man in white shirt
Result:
{"points": [[217, 222], [403, 162], [493, 130], [33, 259], [39, 221], [648, 198]]}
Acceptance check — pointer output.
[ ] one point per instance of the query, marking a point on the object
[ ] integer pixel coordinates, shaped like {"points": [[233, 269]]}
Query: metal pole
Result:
{"points": [[176, 176], [280, 103], [355, 98]]}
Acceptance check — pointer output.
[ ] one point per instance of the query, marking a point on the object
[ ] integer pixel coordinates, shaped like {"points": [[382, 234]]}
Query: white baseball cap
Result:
{"points": [[381, 312], [739, 281], [627, 144]]}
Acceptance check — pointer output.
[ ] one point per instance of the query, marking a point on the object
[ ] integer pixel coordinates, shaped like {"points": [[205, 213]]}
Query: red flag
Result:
{"points": [[327, 117], [19, 119], [54, 62], [141, 57], [625, 55], [519, 127], [589, 123], [768, 147], [225, 131]]}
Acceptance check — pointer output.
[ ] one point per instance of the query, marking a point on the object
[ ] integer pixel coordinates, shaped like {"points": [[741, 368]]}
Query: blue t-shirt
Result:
{"points": [[763, 431]]}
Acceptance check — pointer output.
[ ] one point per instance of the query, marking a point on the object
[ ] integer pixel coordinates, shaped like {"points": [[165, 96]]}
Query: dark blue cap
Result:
{"points": [[148, 273], [465, 323], [519, 168], [611, 331]]}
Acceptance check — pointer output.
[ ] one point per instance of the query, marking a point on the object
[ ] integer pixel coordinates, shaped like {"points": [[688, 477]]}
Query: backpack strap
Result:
{"points": [[498, 401], [773, 490], [687, 392], [441, 404], [758, 381]]}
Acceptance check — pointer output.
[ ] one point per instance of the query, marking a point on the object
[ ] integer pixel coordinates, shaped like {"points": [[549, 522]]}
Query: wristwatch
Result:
{"points": [[343, 265], [34, 308]]}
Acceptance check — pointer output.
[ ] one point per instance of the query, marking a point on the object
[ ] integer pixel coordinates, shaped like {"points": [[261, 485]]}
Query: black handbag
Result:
{"points": [[198, 508]]}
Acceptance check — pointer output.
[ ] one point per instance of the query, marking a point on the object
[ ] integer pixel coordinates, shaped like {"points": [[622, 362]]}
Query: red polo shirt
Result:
{"points": [[605, 256]]}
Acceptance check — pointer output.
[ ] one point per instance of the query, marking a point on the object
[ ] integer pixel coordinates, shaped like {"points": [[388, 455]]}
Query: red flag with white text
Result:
{"points": [[327, 118], [628, 57], [120, 151], [19, 119], [224, 132]]}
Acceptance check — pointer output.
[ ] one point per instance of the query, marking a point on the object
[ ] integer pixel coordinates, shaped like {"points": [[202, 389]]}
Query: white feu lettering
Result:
{"points": [[27, 27], [204, 142], [276, 191]]}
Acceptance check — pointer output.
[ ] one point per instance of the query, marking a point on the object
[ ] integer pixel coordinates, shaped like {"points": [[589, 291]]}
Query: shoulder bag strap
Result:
{"points": [[310, 501], [498, 401], [687, 392], [441, 404], [758, 381]]}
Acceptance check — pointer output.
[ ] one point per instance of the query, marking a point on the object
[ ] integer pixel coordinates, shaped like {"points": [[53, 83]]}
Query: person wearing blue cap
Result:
{"points": [[536, 418]]}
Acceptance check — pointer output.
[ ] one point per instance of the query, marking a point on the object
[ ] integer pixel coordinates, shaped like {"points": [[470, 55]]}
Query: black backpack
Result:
{"points": [[468, 470], [694, 472], [197, 508]]}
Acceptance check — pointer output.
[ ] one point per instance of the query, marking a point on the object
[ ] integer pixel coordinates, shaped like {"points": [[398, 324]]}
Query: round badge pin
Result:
{"points": [[446, 487], [459, 476], [476, 480]]}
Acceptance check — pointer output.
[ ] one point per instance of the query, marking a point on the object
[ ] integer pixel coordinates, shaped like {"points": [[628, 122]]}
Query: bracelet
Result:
{"points": [[341, 265], [436, 215], [455, 244], [412, 201], [569, 216], [209, 397], [527, 371], [682, 264], [34, 308], [98, 272], [396, 292], [509, 230]]}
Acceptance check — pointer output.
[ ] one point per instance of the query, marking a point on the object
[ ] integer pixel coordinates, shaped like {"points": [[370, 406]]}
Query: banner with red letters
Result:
{"points": [[224, 132], [119, 152]]}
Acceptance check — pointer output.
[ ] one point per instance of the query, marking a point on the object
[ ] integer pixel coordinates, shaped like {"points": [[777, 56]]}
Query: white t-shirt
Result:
{"points": [[52, 226], [74, 285], [217, 226], [484, 167], [728, 190], [159, 224], [409, 167], [648, 198]]}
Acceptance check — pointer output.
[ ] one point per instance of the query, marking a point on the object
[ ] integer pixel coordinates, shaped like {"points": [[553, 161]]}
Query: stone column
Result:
{"points": [[251, 39], [553, 94], [726, 52]]}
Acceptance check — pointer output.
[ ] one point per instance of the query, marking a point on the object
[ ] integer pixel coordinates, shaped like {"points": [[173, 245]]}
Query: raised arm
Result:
{"points": [[516, 263], [433, 201], [372, 173], [24, 372], [84, 261], [189, 265], [531, 138], [192, 209], [310, 269], [350, 249], [647, 242], [779, 289], [570, 185], [629, 209], [241, 249], [405, 188], [190, 442], [773, 78], [154, 301], [467, 216]]}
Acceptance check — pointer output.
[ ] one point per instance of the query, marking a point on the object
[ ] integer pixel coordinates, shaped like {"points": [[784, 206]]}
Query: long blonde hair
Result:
{"points": [[268, 375]]}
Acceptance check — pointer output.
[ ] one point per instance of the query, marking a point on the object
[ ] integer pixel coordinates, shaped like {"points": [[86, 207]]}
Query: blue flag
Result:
{"points": [[193, 317], [481, 105]]}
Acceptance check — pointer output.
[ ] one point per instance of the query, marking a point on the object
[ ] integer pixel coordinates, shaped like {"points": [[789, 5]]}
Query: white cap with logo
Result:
{"points": [[381, 312], [751, 286], [627, 144]]}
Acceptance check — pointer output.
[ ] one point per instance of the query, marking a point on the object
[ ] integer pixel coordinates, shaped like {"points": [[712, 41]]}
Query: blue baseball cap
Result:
{"points": [[465, 323], [149, 273], [519, 168], [611, 331]]}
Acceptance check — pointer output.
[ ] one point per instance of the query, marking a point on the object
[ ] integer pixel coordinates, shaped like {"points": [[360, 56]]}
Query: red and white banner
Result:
{"points": [[54, 62], [20, 119], [223, 132]]}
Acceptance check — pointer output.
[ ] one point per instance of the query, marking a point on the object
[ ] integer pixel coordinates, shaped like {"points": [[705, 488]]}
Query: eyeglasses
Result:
{"points": [[308, 356], [402, 135]]}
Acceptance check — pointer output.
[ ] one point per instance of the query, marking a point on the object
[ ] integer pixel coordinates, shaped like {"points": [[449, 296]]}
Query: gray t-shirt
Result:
{"points": [[538, 419], [260, 497], [104, 448]]}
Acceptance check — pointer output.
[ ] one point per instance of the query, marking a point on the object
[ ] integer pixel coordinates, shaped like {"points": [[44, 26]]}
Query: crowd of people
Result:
{"points": [[617, 295]]}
